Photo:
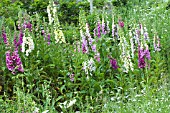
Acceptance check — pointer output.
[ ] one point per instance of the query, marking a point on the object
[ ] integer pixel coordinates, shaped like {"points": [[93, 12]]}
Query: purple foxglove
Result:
{"points": [[98, 30], [15, 41], [141, 57], [48, 39], [121, 23], [84, 43], [94, 31], [84, 46], [43, 32], [141, 63], [141, 60], [94, 48], [4, 36], [113, 63], [20, 38], [13, 62], [29, 26], [147, 54], [97, 57], [9, 61]]}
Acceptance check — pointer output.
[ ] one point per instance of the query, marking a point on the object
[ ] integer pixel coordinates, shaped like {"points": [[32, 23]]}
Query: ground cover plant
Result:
{"points": [[115, 59]]}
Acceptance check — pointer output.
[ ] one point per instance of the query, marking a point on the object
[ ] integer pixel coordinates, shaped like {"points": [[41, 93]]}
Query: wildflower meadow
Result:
{"points": [[85, 56]]}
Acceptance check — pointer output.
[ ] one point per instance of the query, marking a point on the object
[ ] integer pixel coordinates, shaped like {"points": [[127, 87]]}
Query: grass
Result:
{"points": [[145, 101]]}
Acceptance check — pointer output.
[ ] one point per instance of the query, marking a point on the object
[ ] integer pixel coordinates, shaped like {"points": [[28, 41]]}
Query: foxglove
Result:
{"points": [[113, 63], [121, 23], [98, 30], [13, 62], [4, 36], [48, 38], [84, 43], [103, 27], [27, 41], [59, 36], [97, 56]]}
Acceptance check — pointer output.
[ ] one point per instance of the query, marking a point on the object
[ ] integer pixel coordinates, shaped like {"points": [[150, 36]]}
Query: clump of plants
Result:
{"points": [[106, 58]]}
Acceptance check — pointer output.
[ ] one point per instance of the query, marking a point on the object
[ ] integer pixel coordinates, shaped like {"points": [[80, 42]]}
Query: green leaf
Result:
{"points": [[60, 97]]}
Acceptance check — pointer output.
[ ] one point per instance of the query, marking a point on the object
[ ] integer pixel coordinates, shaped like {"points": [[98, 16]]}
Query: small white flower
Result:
{"points": [[112, 98], [71, 103], [36, 110], [59, 36], [66, 104], [85, 68], [46, 111], [77, 111], [27, 41], [50, 18]]}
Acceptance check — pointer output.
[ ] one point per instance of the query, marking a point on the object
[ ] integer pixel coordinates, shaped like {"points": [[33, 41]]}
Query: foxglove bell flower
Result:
{"points": [[43, 32], [113, 28], [97, 57], [50, 18], [121, 23], [87, 31], [88, 34], [156, 43], [9, 61], [4, 36], [141, 60], [48, 38], [113, 63], [98, 30], [84, 46], [142, 54], [132, 45], [137, 36], [29, 26], [20, 38], [147, 54], [15, 41], [107, 27], [103, 27], [141, 63], [13, 62], [59, 36], [94, 31], [146, 36], [84, 43], [94, 48], [27, 41], [89, 66], [125, 54]]}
